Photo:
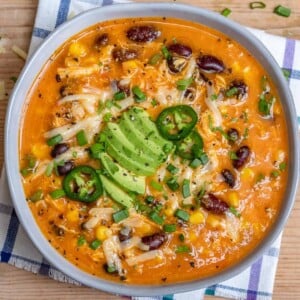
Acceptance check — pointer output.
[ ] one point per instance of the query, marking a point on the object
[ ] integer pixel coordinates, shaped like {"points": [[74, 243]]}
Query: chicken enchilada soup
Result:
{"points": [[153, 150]]}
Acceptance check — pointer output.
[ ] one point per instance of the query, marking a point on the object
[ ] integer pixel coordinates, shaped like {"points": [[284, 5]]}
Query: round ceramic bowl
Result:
{"points": [[31, 70]]}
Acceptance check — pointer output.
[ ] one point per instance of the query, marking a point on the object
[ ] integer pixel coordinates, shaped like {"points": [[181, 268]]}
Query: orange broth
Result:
{"points": [[208, 242]]}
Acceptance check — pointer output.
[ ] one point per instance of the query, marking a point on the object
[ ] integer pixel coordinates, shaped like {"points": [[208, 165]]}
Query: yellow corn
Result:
{"points": [[102, 232], [223, 110], [72, 216], [169, 212], [77, 50], [233, 199], [197, 218], [213, 221], [129, 65], [39, 150], [193, 236], [247, 174]]}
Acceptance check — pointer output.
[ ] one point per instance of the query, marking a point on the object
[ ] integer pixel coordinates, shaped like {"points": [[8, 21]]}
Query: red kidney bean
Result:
{"points": [[211, 203], [210, 64], [143, 33], [59, 149], [155, 240], [242, 156], [181, 50], [242, 88], [66, 168], [120, 54], [125, 234], [233, 134], [101, 40], [228, 177]]}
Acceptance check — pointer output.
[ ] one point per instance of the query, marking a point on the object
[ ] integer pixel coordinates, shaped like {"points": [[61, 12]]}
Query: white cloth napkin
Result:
{"points": [[256, 282]]}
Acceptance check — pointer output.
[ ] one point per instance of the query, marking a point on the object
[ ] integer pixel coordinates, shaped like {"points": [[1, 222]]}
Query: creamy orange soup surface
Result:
{"points": [[153, 150]]}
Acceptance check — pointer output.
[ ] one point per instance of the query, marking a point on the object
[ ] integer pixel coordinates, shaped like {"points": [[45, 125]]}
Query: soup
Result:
{"points": [[153, 150]]}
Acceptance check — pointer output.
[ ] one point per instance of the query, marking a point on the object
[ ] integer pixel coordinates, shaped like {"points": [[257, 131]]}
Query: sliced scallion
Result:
{"points": [[155, 59], [183, 84], [182, 214], [157, 186], [169, 228], [172, 169], [226, 12], [120, 215], [119, 96], [156, 218], [139, 96], [95, 244], [257, 4], [54, 140], [81, 138], [186, 188], [282, 11], [183, 249], [56, 194]]}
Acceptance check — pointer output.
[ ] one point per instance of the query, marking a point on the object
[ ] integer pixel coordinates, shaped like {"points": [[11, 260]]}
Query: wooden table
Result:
{"points": [[16, 21]]}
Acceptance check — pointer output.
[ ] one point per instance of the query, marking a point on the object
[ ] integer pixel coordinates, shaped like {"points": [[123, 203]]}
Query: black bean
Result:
{"points": [[242, 155], [228, 177], [125, 234], [101, 41], [242, 88], [181, 50], [233, 134], [121, 54], [57, 77], [176, 64], [143, 33], [66, 168], [212, 203], [155, 240], [59, 149], [210, 64]]}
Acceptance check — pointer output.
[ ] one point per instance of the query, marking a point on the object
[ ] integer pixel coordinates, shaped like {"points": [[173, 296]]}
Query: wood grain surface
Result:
{"points": [[16, 22]]}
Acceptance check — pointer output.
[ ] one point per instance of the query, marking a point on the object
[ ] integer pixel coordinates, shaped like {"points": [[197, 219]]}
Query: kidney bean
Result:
{"points": [[143, 33], [189, 94], [66, 168], [59, 149], [120, 54], [154, 241], [242, 155], [181, 50], [210, 64], [176, 64], [233, 134], [125, 234], [211, 203], [242, 88], [228, 177], [101, 40]]}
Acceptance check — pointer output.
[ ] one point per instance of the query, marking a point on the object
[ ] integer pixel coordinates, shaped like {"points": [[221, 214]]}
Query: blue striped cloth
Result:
{"points": [[254, 283]]}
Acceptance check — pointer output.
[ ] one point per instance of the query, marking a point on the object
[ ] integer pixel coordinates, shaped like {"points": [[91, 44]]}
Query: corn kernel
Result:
{"points": [[193, 236], [247, 174], [40, 150], [197, 218], [72, 216], [213, 221], [223, 110], [169, 212], [145, 229], [77, 50], [233, 199], [102, 232], [129, 65]]}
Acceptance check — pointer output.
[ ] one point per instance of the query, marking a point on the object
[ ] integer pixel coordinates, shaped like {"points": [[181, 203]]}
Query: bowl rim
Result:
{"points": [[131, 10]]}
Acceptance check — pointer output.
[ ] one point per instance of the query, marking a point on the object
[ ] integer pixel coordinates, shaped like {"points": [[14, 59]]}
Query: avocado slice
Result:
{"points": [[137, 138], [116, 193], [129, 163], [122, 176], [143, 123], [115, 137]]}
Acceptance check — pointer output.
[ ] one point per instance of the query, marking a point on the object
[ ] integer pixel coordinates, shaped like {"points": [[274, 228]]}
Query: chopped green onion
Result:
{"points": [[156, 218], [231, 92], [260, 177], [95, 244], [232, 155], [56, 194], [157, 186], [96, 149], [213, 97], [195, 163], [36, 196], [109, 104], [25, 171], [107, 117], [169, 228], [172, 169], [282, 11], [183, 84], [54, 140], [81, 138], [282, 166], [119, 96], [155, 59], [181, 237], [182, 214], [111, 269], [257, 4], [139, 96], [246, 133], [234, 211], [172, 184], [275, 173], [183, 249], [226, 12], [120, 215], [149, 199], [264, 105], [186, 188], [81, 241], [166, 52], [154, 102]]}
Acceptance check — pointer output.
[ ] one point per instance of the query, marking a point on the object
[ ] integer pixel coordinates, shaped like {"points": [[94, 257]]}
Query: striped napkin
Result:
{"points": [[16, 249]]}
